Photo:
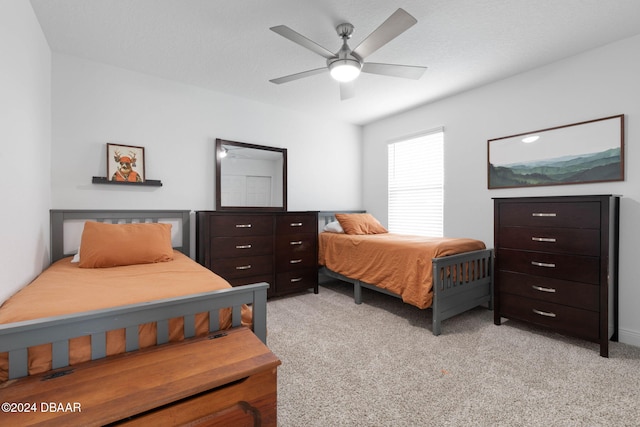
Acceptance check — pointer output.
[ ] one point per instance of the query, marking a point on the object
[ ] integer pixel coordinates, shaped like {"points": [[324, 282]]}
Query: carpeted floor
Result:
{"points": [[377, 364]]}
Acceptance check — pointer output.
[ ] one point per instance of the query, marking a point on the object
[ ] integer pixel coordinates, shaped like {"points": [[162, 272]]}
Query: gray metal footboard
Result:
{"points": [[16, 338], [460, 283]]}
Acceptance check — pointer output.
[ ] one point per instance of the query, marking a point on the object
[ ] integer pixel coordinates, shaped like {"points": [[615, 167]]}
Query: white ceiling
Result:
{"points": [[226, 45]]}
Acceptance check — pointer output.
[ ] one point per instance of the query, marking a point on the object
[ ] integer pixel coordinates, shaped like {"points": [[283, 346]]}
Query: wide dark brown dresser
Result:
{"points": [[557, 264], [280, 248]]}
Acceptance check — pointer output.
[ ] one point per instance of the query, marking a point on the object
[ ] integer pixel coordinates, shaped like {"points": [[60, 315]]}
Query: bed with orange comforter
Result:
{"points": [[450, 275], [70, 314]]}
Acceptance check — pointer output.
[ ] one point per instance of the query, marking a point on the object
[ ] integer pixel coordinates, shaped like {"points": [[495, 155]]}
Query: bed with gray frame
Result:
{"points": [[16, 338], [460, 282]]}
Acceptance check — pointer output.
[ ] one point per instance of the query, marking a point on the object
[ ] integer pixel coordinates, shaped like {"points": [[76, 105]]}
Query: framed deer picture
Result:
{"points": [[125, 163]]}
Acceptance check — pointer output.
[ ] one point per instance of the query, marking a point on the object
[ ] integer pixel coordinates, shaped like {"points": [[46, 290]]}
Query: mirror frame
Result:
{"points": [[218, 149]]}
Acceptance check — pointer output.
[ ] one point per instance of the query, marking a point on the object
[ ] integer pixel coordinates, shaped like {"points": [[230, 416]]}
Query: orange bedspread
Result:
{"points": [[64, 288], [395, 262]]}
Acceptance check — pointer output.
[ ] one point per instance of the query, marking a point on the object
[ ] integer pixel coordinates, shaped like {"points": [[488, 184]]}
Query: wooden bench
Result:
{"points": [[227, 378]]}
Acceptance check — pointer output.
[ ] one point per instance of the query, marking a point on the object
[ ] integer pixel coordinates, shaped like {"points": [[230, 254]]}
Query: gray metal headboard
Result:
{"points": [[59, 216], [325, 217]]}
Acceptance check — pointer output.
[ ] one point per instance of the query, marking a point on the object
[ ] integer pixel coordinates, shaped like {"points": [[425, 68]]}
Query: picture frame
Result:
{"points": [[579, 153], [125, 163]]}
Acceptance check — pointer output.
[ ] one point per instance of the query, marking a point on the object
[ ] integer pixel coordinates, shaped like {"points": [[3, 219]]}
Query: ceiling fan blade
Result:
{"points": [[393, 70], [347, 90], [298, 38], [297, 76], [399, 22]]}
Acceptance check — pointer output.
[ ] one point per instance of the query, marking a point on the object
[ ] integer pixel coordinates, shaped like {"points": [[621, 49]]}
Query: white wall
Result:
{"points": [[25, 135], [598, 83], [177, 124]]}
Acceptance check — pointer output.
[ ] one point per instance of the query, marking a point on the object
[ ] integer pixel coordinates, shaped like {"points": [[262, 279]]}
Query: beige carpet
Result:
{"points": [[377, 364]]}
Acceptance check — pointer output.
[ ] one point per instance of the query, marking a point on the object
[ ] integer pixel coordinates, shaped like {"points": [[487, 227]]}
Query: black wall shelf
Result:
{"points": [[148, 182]]}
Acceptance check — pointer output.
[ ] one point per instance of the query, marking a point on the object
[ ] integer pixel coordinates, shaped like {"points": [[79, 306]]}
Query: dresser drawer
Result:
{"points": [[296, 280], [574, 294], [295, 244], [247, 402], [296, 260], [559, 266], [230, 268], [551, 214], [232, 247], [295, 224], [578, 241], [571, 320], [241, 225]]}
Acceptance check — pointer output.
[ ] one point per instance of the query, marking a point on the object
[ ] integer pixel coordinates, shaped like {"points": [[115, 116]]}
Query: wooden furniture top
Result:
{"points": [[107, 390]]}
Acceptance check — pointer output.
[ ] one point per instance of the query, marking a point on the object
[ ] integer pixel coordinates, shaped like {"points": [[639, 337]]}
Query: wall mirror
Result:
{"points": [[250, 176]]}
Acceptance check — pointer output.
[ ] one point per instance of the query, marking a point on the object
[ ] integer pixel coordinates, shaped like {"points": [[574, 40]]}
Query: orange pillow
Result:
{"points": [[110, 245], [363, 223]]}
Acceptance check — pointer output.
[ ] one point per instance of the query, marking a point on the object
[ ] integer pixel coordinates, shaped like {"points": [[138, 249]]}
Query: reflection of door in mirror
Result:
{"points": [[259, 191], [246, 190], [250, 176]]}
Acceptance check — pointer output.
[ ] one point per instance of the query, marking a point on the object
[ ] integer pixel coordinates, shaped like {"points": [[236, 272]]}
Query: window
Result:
{"points": [[416, 185]]}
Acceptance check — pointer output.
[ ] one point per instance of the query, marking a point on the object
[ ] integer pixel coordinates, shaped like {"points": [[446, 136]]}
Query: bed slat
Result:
{"points": [[18, 363], [214, 320], [259, 308], [98, 345], [190, 326], [59, 354], [236, 316], [162, 331], [131, 338]]}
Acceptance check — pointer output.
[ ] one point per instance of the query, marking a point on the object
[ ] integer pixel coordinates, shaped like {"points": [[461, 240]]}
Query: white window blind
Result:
{"points": [[416, 185]]}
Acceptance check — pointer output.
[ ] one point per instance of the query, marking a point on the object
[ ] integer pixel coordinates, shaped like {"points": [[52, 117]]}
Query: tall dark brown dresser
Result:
{"points": [[557, 264]]}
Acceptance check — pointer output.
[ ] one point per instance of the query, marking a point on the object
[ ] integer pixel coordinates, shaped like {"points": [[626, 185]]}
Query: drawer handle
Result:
{"points": [[543, 264], [544, 214], [243, 246], [541, 289], [295, 261], [544, 313], [243, 267], [243, 225], [544, 239], [298, 242], [296, 224], [296, 280]]}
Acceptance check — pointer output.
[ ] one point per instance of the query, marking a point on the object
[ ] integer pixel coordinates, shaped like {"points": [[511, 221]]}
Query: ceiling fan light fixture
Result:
{"points": [[346, 64], [345, 70]]}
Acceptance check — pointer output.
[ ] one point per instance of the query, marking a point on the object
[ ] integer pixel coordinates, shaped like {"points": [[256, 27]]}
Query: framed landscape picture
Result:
{"points": [[585, 152]]}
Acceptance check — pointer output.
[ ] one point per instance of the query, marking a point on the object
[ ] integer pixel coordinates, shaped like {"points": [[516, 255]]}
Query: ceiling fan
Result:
{"points": [[345, 65]]}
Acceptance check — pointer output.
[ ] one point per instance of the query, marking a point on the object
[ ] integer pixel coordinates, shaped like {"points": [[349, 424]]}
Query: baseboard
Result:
{"points": [[629, 337]]}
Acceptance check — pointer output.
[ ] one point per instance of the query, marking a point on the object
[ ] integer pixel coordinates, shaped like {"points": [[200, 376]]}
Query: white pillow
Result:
{"points": [[76, 257], [333, 227]]}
